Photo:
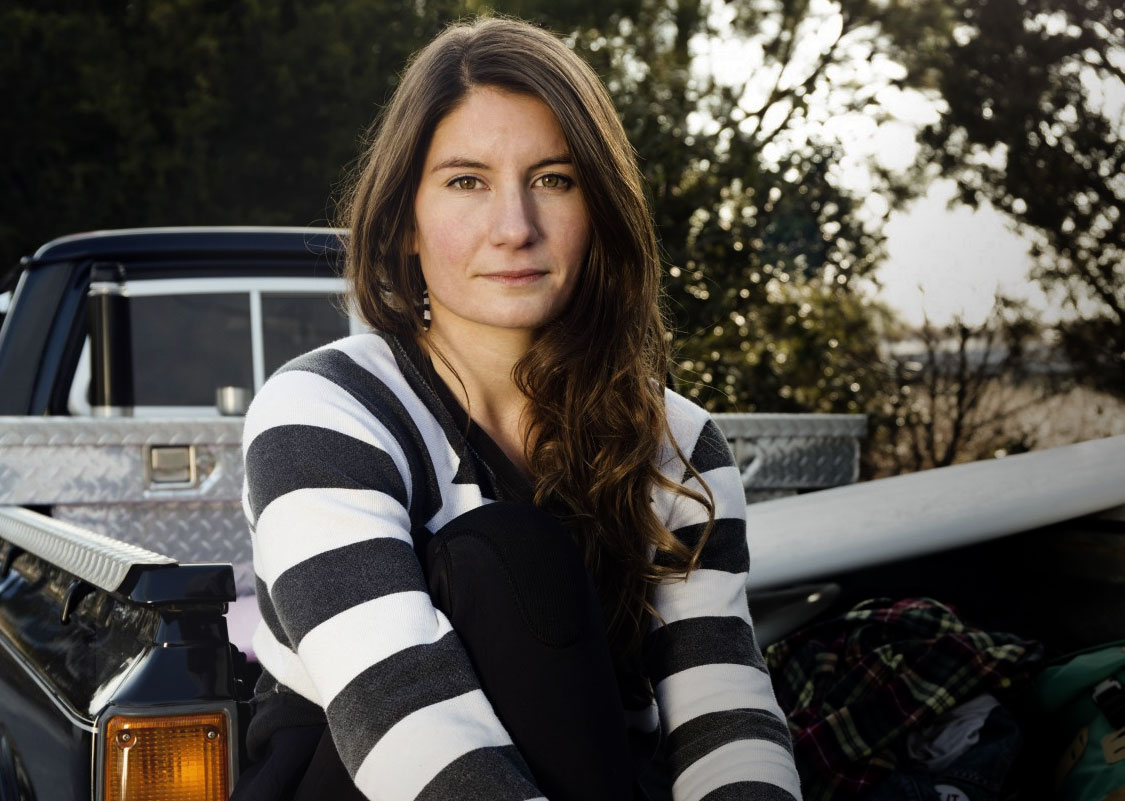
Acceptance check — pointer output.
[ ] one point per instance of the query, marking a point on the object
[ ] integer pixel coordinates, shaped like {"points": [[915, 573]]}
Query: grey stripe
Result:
{"points": [[375, 396], [484, 775], [725, 549], [385, 693], [711, 450], [749, 791], [292, 457], [699, 641], [269, 614], [700, 736], [334, 581]]}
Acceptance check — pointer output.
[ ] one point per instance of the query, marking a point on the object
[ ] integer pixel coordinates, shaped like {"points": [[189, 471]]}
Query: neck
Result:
{"points": [[477, 367]]}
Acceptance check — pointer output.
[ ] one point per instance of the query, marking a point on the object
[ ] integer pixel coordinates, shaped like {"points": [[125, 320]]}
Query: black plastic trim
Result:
{"points": [[193, 242], [179, 584]]}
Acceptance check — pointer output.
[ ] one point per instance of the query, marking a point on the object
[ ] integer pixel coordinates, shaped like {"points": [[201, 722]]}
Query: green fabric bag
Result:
{"points": [[1092, 767]]}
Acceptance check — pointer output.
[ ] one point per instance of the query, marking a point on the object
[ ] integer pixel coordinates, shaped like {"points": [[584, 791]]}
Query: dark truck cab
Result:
{"points": [[49, 318]]}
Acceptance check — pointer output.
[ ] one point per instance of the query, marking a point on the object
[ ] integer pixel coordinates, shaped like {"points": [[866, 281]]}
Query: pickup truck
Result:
{"points": [[125, 359], [126, 585]]}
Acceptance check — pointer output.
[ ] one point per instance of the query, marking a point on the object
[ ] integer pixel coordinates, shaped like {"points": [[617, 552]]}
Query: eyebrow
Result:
{"points": [[462, 163]]}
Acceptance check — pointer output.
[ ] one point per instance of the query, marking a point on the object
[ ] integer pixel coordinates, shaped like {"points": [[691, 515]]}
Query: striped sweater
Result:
{"points": [[349, 449]]}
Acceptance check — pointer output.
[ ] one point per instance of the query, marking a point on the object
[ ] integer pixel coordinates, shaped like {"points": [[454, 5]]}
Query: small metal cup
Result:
{"points": [[232, 401]]}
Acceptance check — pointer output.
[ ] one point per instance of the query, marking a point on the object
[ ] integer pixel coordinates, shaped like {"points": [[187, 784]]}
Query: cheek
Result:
{"points": [[578, 236], [442, 245]]}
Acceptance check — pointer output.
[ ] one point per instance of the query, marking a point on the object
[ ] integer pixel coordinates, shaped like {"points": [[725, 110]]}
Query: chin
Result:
{"points": [[527, 321]]}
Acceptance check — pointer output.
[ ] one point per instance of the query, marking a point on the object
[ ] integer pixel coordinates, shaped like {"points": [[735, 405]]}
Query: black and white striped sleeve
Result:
{"points": [[726, 736], [347, 619]]}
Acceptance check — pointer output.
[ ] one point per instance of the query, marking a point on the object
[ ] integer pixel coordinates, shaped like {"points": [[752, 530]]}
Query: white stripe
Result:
{"points": [[713, 688], [685, 423], [456, 500], [345, 645], [246, 511], [726, 488], [297, 397], [306, 522], [740, 761], [422, 744], [372, 353], [705, 593], [283, 664]]}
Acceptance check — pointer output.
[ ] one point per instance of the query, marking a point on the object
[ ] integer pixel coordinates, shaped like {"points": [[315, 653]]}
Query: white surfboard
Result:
{"points": [[830, 532]]}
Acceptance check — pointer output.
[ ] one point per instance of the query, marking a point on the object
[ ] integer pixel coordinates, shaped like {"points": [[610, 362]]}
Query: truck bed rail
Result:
{"points": [[100, 560]]}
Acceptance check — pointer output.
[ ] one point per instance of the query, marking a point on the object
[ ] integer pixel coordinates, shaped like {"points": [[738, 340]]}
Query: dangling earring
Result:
{"points": [[425, 309]]}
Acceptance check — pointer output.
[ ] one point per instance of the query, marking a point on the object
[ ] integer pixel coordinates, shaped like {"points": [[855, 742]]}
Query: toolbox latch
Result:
{"points": [[172, 466]]}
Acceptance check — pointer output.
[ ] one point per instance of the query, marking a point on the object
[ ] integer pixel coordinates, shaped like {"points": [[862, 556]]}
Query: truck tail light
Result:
{"points": [[167, 758]]}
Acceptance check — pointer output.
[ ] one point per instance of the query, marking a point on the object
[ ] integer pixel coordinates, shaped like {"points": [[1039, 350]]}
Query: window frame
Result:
{"points": [[251, 287]]}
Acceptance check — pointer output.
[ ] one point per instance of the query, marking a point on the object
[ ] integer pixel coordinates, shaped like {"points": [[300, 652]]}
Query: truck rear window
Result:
{"points": [[192, 336], [186, 346], [293, 324]]}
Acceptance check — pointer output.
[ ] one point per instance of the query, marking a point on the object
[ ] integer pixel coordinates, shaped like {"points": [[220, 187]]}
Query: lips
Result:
{"points": [[515, 276]]}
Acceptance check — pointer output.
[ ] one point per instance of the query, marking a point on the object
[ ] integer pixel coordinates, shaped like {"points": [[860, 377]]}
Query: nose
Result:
{"points": [[513, 219]]}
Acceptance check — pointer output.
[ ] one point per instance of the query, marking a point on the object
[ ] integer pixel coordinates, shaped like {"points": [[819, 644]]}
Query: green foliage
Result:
{"points": [[172, 112], [955, 393], [175, 112]]}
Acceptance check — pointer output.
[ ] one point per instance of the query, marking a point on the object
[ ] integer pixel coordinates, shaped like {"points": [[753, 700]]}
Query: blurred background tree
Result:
{"points": [[1035, 91], [961, 390], [165, 112], [174, 112]]}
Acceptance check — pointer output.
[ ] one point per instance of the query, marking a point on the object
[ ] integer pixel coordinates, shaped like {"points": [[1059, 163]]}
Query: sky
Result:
{"points": [[945, 262]]}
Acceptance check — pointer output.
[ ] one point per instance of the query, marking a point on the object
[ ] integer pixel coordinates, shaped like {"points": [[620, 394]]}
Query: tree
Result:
{"points": [[157, 112], [955, 393], [1035, 125]]}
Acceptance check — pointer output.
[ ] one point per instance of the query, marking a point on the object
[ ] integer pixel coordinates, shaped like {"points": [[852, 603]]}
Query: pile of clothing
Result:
{"points": [[903, 700]]}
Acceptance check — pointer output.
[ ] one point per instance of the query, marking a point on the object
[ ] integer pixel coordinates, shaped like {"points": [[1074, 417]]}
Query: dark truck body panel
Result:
{"points": [[75, 645]]}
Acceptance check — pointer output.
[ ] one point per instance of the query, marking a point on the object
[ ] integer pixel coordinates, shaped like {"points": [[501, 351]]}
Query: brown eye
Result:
{"points": [[465, 182], [554, 181]]}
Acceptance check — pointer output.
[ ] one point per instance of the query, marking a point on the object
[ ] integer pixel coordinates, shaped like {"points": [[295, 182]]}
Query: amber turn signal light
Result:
{"points": [[167, 758]]}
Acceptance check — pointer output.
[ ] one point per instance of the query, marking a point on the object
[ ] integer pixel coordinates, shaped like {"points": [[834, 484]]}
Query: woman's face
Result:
{"points": [[500, 224]]}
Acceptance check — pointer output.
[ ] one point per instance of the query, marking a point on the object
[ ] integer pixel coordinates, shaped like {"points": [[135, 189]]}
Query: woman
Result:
{"points": [[503, 253]]}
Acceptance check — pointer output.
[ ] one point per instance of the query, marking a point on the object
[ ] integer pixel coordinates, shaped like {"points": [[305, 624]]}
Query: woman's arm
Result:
{"points": [[725, 735], [347, 619]]}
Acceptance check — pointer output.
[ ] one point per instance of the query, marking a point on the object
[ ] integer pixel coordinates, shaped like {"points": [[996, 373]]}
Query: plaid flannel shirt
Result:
{"points": [[852, 687]]}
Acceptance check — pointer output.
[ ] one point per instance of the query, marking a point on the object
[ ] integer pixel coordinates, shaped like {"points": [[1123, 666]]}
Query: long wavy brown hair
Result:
{"points": [[594, 376]]}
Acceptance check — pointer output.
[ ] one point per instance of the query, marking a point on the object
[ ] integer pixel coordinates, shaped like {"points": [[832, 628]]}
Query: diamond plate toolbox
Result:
{"points": [[99, 474], [102, 473], [778, 454]]}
